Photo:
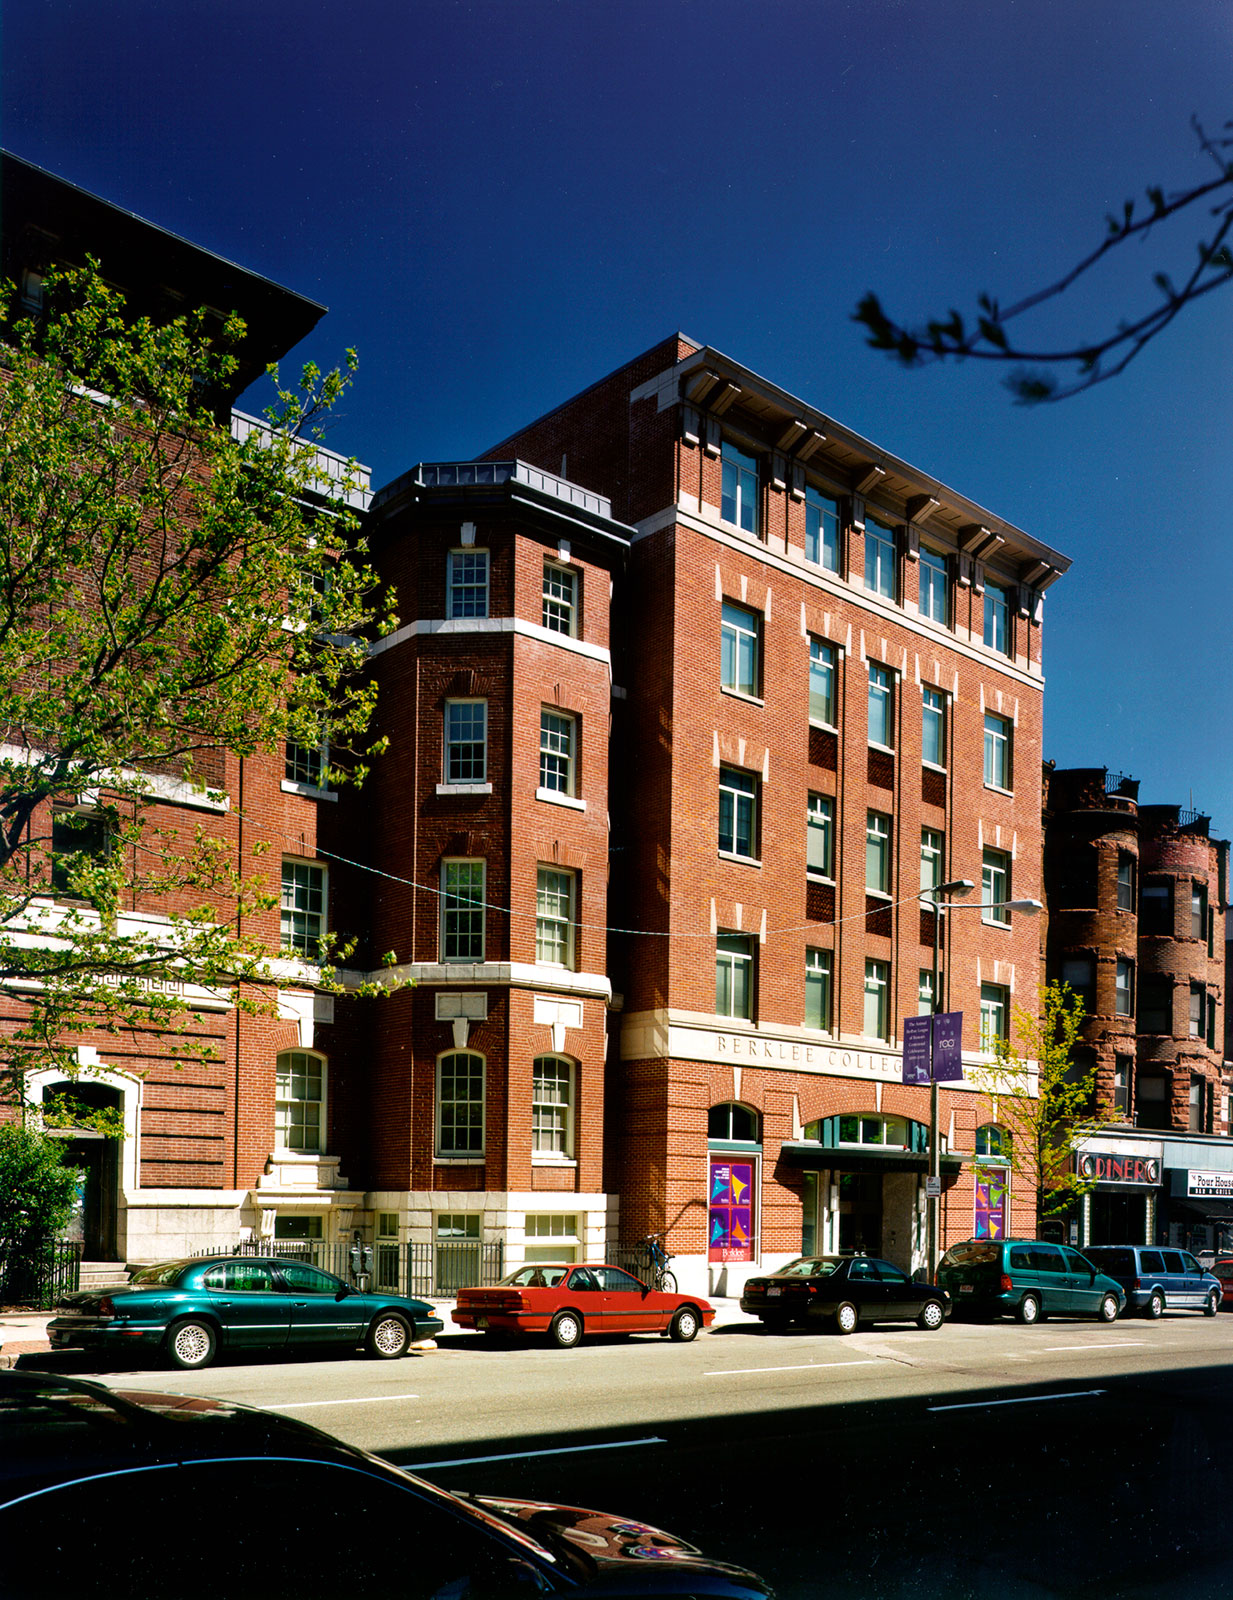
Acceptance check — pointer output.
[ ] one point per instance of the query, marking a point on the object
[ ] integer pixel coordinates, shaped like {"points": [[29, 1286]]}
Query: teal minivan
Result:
{"points": [[1028, 1279]]}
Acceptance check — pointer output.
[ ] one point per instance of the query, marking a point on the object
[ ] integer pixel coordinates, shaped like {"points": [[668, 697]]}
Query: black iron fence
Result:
{"points": [[40, 1278], [433, 1270]]}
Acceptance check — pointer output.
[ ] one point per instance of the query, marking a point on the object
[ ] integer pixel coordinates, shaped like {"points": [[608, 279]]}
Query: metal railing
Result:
{"points": [[435, 1270], [43, 1279]]}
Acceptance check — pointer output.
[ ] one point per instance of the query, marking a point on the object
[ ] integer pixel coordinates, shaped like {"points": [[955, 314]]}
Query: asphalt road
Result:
{"points": [[1068, 1459]]}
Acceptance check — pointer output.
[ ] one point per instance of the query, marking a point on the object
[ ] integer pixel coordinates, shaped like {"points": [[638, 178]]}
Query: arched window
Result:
{"points": [[732, 1123], [460, 1104], [992, 1142], [552, 1108], [299, 1101]]}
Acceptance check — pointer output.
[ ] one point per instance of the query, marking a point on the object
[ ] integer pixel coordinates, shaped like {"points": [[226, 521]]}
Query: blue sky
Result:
{"points": [[503, 200]]}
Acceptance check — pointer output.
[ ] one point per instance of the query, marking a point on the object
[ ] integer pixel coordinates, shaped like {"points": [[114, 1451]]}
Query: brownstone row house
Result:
{"points": [[695, 698]]}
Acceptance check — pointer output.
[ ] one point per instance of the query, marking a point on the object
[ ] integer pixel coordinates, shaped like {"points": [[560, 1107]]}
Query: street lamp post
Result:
{"points": [[956, 886]]}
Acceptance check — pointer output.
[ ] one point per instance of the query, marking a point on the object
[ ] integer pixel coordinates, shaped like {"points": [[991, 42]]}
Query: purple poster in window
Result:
{"points": [[731, 1210], [916, 1049], [948, 1046]]}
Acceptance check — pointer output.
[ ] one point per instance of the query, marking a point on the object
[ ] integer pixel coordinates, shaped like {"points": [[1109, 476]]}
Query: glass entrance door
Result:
{"points": [[860, 1212]]}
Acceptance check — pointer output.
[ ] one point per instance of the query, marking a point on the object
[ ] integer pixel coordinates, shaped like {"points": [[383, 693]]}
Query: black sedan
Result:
{"points": [[186, 1311], [177, 1497], [843, 1291]]}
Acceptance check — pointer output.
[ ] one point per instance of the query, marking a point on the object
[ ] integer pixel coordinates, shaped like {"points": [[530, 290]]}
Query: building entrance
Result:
{"points": [[97, 1160], [860, 1212]]}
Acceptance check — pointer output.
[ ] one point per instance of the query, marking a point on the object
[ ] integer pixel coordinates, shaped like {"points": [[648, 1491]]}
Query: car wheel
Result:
{"points": [[1108, 1308], [684, 1326], [1211, 1305], [1155, 1306], [191, 1345], [565, 1329], [846, 1318], [389, 1337], [932, 1316], [1029, 1309]]}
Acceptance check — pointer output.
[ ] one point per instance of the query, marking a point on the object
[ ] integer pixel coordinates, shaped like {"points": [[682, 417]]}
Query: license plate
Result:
{"points": [[481, 1322], [965, 1288], [772, 1292]]}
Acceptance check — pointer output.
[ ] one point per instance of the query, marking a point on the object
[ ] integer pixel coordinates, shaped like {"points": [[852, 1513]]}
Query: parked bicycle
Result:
{"points": [[657, 1275]]}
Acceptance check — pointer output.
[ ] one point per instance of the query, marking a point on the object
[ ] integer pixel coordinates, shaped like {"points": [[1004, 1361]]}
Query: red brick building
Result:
{"points": [[823, 673]]}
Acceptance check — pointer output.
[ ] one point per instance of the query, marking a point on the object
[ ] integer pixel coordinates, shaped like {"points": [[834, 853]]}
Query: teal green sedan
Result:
{"points": [[186, 1311]]}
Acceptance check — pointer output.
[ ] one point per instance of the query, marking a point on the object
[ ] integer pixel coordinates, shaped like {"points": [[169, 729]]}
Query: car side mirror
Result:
{"points": [[343, 1292]]}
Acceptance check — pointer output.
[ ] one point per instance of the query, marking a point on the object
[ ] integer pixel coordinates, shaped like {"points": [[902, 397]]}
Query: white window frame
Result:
{"points": [[994, 1015], [820, 981], [473, 1147], [740, 794], [999, 753], [994, 887], [455, 906], [932, 859], [877, 991], [821, 529], [558, 765], [453, 744], [740, 637], [302, 925], [1124, 987], [881, 559], [934, 601], [738, 488], [737, 961], [996, 630], [882, 696], [311, 1130], [552, 1118], [554, 929], [560, 605], [820, 835], [304, 764], [878, 850], [823, 670], [461, 584], [933, 713]]}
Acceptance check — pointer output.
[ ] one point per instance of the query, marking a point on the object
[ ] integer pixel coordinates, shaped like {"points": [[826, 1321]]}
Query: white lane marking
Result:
{"points": [[1111, 1344], [358, 1400], [527, 1455], [1022, 1400], [805, 1366]]}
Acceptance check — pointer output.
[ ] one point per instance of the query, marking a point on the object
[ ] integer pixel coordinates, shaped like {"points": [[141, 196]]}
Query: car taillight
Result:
{"points": [[1007, 1283], [106, 1307], [1138, 1283]]}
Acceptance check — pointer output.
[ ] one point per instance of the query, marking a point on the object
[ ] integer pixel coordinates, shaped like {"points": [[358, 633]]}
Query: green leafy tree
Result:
{"points": [[987, 335], [1046, 1102], [173, 592], [37, 1196]]}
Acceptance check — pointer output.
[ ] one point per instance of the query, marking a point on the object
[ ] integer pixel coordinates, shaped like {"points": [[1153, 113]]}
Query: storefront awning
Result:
{"points": [[1208, 1210], [810, 1157]]}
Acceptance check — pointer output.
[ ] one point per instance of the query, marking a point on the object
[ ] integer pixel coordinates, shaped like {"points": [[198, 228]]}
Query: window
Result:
{"points": [[1197, 1119], [881, 705], [820, 836], [462, 911], [997, 752], [890, 1133], [997, 618], [286, 1226], [1121, 1086], [933, 727], [466, 583], [934, 587], [994, 1007], [1198, 1010], [995, 887], [558, 743], [299, 1079], [932, 844], [1079, 973], [818, 989], [738, 813], [877, 852], [732, 1123], [78, 838], [458, 1225], [387, 1224], [554, 917], [1125, 881], [1154, 1110], [305, 764], [1210, 1036], [924, 993], [879, 558], [821, 683], [1155, 1003], [466, 741], [303, 907], [821, 530], [1124, 988], [560, 613], [739, 641], [561, 1234], [460, 1105], [877, 1000], [739, 494], [1156, 908], [552, 1104], [1198, 911], [734, 975]]}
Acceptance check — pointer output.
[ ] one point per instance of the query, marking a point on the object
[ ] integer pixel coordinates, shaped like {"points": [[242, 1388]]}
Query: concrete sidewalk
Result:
{"points": [[24, 1333]]}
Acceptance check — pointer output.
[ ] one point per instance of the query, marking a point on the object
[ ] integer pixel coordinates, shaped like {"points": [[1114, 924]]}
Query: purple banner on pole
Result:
{"points": [[948, 1046], [916, 1049]]}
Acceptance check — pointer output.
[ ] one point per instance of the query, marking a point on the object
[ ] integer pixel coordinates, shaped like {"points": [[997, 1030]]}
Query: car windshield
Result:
{"points": [[808, 1267], [161, 1272], [971, 1254], [535, 1277]]}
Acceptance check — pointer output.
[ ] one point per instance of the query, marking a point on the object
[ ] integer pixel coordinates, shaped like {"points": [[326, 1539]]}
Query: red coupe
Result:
{"points": [[566, 1301]]}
